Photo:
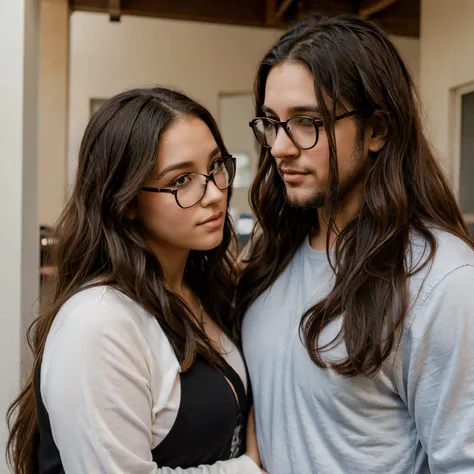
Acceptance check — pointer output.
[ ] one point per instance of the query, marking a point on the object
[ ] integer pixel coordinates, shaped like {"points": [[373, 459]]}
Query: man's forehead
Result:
{"points": [[289, 88], [295, 109]]}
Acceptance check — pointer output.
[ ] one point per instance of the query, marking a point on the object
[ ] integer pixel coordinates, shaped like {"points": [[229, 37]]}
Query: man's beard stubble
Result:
{"points": [[318, 199], [313, 202]]}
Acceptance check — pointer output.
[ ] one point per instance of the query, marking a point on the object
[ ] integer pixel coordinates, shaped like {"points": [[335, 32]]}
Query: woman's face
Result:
{"points": [[187, 146]]}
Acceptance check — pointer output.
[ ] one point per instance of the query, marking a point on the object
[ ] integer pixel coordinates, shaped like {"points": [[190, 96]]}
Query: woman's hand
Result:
{"points": [[252, 446]]}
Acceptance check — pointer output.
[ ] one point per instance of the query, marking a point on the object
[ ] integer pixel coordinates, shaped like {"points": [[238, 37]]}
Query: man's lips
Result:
{"points": [[290, 175], [292, 171]]}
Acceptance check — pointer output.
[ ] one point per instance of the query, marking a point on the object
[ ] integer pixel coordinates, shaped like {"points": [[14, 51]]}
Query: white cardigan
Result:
{"points": [[110, 383]]}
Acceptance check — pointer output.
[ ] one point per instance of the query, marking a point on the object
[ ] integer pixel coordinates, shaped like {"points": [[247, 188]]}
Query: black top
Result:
{"points": [[210, 425]]}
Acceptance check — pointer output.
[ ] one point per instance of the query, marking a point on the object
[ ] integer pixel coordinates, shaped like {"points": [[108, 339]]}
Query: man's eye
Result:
{"points": [[304, 122], [217, 165]]}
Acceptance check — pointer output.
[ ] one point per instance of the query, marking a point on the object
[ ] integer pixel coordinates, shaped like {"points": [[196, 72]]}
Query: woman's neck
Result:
{"points": [[173, 262]]}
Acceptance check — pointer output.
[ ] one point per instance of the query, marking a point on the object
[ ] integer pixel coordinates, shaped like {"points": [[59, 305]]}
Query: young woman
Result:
{"points": [[134, 370]]}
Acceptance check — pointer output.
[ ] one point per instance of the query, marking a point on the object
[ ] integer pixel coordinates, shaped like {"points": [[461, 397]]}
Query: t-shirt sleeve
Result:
{"points": [[439, 362], [96, 387]]}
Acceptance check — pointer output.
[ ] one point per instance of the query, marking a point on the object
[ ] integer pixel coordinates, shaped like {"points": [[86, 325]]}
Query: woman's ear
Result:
{"points": [[376, 132], [132, 211]]}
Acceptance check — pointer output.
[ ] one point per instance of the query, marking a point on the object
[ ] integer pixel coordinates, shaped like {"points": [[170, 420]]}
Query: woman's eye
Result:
{"points": [[181, 181]]}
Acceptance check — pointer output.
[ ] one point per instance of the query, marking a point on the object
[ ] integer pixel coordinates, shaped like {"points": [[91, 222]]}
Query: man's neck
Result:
{"points": [[347, 209]]}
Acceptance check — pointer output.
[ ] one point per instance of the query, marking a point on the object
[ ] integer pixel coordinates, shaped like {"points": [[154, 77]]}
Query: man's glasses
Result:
{"points": [[190, 188], [302, 130]]}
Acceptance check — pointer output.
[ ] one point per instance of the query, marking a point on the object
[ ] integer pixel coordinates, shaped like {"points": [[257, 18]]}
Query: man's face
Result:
{"points": [[290, 91]]}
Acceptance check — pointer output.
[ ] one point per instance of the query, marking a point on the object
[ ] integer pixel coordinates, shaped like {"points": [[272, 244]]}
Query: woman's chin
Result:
{"points": [[208, 243]]}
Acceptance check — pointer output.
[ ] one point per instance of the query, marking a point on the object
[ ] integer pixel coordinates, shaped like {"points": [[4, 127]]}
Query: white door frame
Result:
{"points": [[458, 93]]}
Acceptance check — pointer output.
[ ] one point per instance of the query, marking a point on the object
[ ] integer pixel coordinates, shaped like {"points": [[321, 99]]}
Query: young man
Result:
{"points": [[356, 302]]}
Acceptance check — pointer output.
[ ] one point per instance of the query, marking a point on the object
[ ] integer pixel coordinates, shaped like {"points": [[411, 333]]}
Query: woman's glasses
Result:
{"points": [[190, 188]]}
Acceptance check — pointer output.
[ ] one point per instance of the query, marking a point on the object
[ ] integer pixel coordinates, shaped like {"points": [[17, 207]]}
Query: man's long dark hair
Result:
{"points": [[405, 192], [98, 244]]}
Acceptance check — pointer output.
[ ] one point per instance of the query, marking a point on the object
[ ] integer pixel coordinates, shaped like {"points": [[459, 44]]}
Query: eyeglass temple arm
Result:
{"points": [[159, 190]]}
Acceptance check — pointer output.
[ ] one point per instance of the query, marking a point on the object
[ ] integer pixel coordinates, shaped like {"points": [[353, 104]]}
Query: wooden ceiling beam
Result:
{"points": [[275, 15], [282, 10], [242, 12], [270, 11], [368, 8], [401, 17], [114, 10]]}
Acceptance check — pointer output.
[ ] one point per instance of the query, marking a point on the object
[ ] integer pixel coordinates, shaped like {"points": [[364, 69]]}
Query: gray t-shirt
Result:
{"points": [[416, 416]]}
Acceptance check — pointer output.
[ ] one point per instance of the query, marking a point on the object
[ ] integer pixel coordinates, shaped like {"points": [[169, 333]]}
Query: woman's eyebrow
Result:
{"points": [[186, 164], [174, 167]]}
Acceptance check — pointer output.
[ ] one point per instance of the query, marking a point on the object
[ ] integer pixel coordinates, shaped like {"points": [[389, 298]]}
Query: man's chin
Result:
{"points": [[300, 199]]}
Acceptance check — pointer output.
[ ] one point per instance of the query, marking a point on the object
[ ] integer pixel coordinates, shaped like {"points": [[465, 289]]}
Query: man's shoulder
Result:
{"points": [[452, 247], [450, 252], [450, 256]]}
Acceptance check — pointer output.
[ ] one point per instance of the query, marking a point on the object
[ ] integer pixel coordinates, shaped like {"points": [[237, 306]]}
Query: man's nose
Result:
{"points": [[283, 147]]}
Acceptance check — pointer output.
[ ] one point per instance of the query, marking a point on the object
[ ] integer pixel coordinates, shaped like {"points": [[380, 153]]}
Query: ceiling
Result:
{"points": [[399, 17]]}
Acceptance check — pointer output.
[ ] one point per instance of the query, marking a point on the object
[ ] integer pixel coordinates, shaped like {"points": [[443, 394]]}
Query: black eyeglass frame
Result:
{"points": [[209, 177], [316, 122]]}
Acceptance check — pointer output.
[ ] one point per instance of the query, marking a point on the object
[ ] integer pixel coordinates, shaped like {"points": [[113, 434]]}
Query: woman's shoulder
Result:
{"points": [[102, 306], [100, 316]]}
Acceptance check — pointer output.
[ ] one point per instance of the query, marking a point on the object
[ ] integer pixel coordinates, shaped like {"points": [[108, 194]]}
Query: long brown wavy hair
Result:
{"points": [[405, 191], [98, 244]]}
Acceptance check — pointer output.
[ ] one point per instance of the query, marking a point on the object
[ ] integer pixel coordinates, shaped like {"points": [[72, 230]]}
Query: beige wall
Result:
{"points": [[447, 63], [54, 82], [200, 59], [235, 112], [409, 49]]}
